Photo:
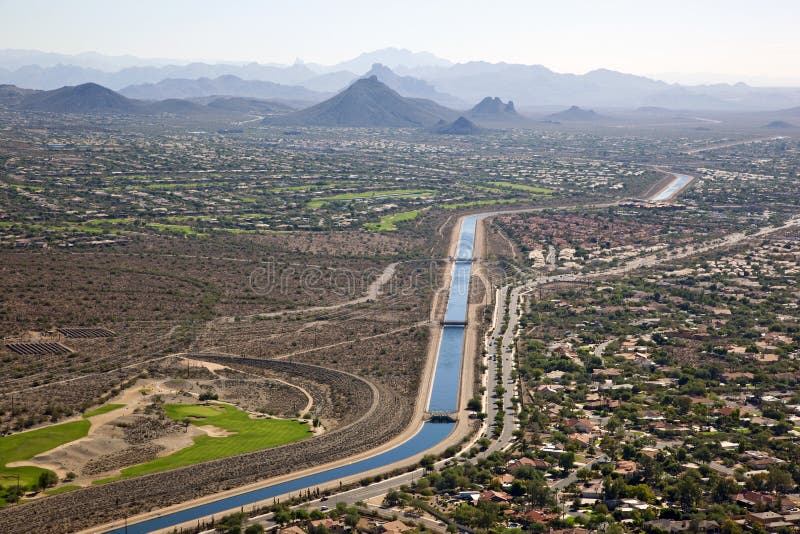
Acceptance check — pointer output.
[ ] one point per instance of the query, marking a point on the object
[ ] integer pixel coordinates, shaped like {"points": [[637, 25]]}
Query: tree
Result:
{"points": [[780, 481], [518, 488], [538, 492], [46, 479], [351, 518], [428, 461], [475, 404], [687, 492], [723, 489], [729, 526], [393, 498], [282, 517], [254, 529], [566, 460]]}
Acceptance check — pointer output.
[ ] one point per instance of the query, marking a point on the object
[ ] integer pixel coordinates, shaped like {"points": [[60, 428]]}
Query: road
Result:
{"points": [[733, 143], [503, 352], [362, 494], [573, 476]]}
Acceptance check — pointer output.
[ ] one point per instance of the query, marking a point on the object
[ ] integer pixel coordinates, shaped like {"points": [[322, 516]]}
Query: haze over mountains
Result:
{"points": [[420, 75], [223, 85]]}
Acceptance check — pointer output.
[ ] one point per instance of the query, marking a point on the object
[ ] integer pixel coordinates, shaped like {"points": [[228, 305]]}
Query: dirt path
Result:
{"points": [[373, 291]]}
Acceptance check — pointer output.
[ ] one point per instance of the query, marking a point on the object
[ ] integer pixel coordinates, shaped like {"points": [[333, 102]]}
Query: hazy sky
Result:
{"points": [[756, 40]]}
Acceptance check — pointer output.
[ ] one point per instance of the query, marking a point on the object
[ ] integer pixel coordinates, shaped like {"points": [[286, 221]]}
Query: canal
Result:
{"points": [[443, 398]]}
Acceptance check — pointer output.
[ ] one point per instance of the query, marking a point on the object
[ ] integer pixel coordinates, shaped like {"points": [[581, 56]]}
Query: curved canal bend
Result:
{"points": [[443, 399]]}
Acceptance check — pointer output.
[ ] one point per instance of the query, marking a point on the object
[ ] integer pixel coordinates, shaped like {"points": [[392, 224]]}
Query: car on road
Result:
{"points": [[323, 508]]}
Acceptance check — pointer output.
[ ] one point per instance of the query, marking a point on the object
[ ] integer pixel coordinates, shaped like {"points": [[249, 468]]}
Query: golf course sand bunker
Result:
{"points": [[159, 423]]}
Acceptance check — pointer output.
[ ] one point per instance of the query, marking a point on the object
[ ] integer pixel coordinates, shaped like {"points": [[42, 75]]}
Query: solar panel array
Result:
{"points": [[37, 349], [85, 333]]}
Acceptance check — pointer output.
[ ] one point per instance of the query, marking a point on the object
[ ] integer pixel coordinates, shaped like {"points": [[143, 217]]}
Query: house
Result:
{"points": [[583, 439], [515, 465], [764, 518], [469, 496], [756, 500], [505, 480], [496, 496], [672, 526], [333, 526], [555, 376], [537, 516], [592, 490], [394, 527], [294, 529], [626, 468], [598, 405], [579, 425]]}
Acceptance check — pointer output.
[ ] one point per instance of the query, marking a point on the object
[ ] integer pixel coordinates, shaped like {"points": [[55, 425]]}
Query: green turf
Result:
{"points": [[62, 489], [175, 229], [102, 409], [388, 223], [523, 187], [26, 445], [250, 435], [475, 203], [371, 194]]}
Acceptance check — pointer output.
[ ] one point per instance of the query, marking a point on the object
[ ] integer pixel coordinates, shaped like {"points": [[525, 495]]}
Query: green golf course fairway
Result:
{"points": [[26, 445], [248, 435]]}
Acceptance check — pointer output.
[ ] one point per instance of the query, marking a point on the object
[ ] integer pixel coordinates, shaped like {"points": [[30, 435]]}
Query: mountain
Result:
{"points": [[85, 98], [368, 103], [460, 126], [12, 96], [330, 82], [575, 114], [411, 87], [391, 57], [780, 125], [37, 77], [16, 58], [227, 85], [494, 112], [94, 99], [418, 74], [236, 104]]}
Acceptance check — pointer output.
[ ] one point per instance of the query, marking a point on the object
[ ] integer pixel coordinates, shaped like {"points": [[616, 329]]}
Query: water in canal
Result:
{"points": [[674, 186]]}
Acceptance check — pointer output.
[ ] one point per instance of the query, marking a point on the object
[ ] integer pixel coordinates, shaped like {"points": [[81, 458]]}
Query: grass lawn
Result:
{"points": [[314, 204], [26, 445], [479, 203], [175, 229], [102, 409], [250, 435], [523, 187], [62, 489], [388, 223]]}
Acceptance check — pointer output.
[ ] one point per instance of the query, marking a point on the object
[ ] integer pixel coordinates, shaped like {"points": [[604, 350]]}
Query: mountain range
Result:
{"points": [[91, 98], [228, 85], [416, 74]]}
